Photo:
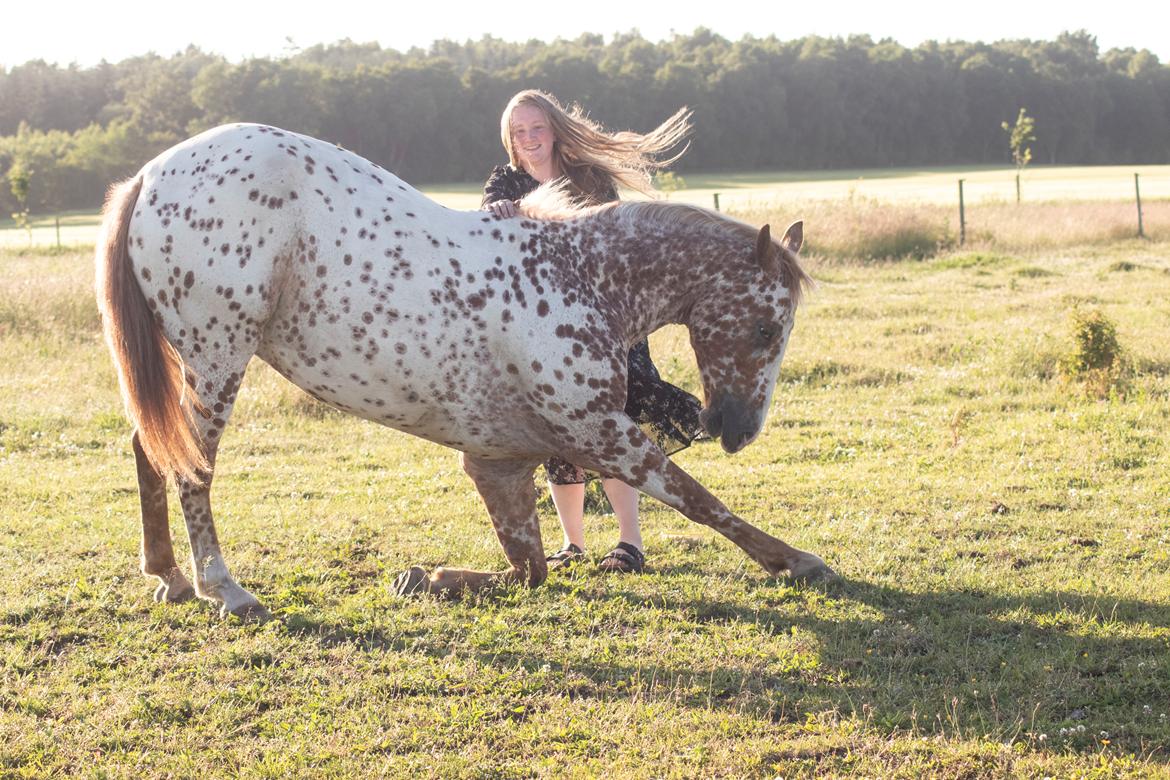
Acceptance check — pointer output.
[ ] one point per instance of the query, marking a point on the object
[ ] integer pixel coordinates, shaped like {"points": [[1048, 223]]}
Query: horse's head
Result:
{"points": [[739, 330]]}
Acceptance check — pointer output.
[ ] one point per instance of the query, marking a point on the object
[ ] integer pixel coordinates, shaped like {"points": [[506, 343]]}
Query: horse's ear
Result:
{"points": [[793, 237], [766, 250]]}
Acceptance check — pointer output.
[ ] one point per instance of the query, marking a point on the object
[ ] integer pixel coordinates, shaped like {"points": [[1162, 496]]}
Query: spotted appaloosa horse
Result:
{"points": [[503, 338]]}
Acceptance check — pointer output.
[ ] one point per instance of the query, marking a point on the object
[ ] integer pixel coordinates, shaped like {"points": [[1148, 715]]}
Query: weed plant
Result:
{"points": [[1096, 359]]}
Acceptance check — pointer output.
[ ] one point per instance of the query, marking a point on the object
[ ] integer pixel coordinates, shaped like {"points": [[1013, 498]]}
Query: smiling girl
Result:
{"points": [[546, 142]]}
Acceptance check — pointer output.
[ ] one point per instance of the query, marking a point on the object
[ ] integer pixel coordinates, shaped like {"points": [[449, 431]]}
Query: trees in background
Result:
{"points": [[760, 103]]}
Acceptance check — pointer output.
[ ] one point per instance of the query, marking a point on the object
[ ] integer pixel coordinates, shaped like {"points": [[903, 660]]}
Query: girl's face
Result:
{"points": [[532, 139]]}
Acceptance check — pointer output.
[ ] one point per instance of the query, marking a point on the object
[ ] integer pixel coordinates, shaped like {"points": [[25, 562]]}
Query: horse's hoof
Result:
{"points": [[413, 580], [174, 593], [812, 570], [249, 613]]}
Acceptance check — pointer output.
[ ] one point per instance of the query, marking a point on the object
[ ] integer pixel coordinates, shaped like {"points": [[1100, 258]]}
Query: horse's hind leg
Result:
{"points": [[213, 581], [507, 490], [158, 556]]}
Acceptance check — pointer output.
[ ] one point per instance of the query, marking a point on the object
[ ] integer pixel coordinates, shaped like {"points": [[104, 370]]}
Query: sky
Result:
{"points": [[69, 31]]}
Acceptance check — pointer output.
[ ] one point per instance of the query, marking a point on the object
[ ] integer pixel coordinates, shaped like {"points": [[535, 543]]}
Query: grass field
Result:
{"points": [[1003, 536], [936, 189]]}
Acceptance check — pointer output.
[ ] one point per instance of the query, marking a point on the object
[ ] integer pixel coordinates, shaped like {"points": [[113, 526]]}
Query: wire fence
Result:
{"points": [[868, 227], [970, 194]]}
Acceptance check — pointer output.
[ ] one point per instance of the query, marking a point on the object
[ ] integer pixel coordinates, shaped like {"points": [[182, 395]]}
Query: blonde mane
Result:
{"points": [[554, 202]]}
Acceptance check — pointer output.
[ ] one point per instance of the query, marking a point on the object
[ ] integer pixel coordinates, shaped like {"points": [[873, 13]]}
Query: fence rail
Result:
{"points": [[789, 191]]}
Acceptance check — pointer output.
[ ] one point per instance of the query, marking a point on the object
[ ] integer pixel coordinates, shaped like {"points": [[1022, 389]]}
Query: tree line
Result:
{"points": [[433, 115]]}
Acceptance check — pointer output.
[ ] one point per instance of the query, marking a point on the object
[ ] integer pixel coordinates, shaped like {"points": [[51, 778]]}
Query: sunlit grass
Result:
{"points": [[1003, 538]]}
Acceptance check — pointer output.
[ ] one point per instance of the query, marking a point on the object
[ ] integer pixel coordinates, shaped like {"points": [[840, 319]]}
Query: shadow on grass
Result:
{"points": [[960, 662], [1042, 660], [955, 662]]}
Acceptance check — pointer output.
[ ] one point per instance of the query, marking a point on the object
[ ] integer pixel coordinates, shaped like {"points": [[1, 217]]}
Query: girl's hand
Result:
{"points": [[504, 208]]}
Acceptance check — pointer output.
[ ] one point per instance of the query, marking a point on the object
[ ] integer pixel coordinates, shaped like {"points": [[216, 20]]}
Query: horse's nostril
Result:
{"points": [[736, 436]]}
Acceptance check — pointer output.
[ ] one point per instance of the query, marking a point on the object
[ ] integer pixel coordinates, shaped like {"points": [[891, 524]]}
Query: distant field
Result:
{"points": [[927, 185], [75, 229], [746, 192]]}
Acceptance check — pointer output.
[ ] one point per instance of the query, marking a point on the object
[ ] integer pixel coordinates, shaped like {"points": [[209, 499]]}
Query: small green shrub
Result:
{"points": [[1096, 360], [1033, 272], [969, 260]]}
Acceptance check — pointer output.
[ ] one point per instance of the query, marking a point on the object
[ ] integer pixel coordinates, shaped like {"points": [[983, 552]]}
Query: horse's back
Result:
{"points": [[350, 283], [232, 220]]}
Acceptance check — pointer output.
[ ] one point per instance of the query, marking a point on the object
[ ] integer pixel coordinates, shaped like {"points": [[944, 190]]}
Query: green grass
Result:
{"points": [[1002, 535]]}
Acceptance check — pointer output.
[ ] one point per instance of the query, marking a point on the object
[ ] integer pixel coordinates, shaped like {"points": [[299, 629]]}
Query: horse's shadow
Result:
{"points": [[959, 661], [1043, 660]]}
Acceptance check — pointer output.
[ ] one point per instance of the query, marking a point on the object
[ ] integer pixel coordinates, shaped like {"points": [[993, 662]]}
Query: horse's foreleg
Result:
{"points": [[213, 581], [158, 556], [507, 490], [677, 489], [630, 456]]}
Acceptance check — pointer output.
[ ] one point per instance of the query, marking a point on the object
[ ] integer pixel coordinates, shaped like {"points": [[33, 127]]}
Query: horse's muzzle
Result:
{"points": [[728, 420]]}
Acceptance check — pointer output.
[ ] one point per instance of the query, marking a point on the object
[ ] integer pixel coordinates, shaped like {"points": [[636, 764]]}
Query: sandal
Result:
{"points": [[564, 557], [625, 558]]}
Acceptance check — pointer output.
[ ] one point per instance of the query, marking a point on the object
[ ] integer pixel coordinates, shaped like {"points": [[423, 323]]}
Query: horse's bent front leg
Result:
{"points": [[507, 490], [625, 452], [158, 555]]}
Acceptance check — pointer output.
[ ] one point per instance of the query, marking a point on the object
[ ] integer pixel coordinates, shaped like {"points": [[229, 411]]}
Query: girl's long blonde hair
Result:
{"points": [[592, 159]]}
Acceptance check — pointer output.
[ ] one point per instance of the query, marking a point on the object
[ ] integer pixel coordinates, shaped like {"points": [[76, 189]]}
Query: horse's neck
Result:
{"points": [[645, 279]]}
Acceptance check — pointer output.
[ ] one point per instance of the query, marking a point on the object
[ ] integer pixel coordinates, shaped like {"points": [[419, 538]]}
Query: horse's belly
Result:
{"points": [[426, 387]]}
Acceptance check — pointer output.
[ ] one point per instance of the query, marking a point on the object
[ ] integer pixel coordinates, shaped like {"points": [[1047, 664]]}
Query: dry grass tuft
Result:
{"points": [[47, 294], [867, 230], [863, 228], [1050, 225]]}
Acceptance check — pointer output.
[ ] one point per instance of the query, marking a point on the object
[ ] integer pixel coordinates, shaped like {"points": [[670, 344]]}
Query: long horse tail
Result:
{"points": [[156, 388]]}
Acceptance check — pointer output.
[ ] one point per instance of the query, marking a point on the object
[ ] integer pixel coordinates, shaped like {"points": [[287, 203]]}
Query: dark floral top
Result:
{"points": [[510, 183], [668, 414]]}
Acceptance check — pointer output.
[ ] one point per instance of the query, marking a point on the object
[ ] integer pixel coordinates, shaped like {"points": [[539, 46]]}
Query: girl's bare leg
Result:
{"points": [[624, 500], [570, 503]]}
